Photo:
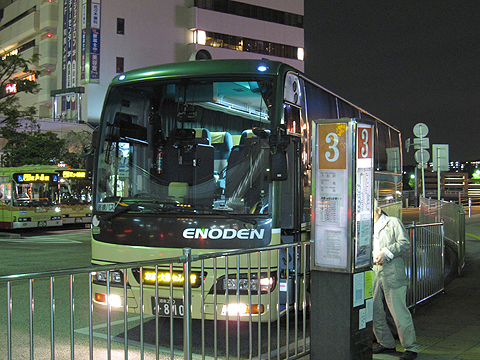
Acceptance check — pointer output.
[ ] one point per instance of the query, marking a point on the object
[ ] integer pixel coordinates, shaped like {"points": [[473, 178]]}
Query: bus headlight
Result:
{"points": [[114, 300], [241, 309], [116, 277], [242, 283]]}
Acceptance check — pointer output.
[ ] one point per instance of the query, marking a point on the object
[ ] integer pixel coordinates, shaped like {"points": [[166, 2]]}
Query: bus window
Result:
{"points": [[157, 144], [292, 119], [5, 192]]}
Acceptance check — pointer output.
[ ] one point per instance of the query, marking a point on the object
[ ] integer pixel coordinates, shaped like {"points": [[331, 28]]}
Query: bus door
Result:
{"points": [[294, 193], [291, 220], [5, 203]]}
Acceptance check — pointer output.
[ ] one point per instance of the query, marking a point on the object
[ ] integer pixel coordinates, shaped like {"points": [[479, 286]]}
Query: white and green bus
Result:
{"points": [[213, 155]]}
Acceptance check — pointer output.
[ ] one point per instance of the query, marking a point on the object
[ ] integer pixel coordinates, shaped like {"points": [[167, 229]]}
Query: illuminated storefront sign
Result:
{"points": [[12, 88]]}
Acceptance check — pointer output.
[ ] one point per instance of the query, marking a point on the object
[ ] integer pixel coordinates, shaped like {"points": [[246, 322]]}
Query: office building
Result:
{"points": [[83, 44]]}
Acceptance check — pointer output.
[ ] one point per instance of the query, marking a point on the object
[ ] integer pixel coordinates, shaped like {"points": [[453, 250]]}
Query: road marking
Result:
{"points": [[474, 236], [86, 331], [41, 240]]}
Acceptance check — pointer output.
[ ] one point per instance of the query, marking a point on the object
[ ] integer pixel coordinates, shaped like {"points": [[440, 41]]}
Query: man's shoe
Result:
{"points": [[408, 355], [383, 350]]}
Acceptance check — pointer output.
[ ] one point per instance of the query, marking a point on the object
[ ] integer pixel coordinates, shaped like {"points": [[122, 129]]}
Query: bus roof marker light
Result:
{"points": [[122, 77], [262, 68]]}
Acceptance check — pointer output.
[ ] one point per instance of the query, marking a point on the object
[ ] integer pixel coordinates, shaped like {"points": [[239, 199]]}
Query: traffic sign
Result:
{"points": [[421, 143], [420, 130], [422, 156], [440, 157]]}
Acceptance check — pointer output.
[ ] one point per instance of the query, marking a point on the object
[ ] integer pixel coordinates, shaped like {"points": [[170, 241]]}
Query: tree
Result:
{"points": [[16, 72], [25, 148], [75, 147]]}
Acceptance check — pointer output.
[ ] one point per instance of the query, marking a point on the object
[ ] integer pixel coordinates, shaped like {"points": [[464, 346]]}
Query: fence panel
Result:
{"points": [[453, 216], [52, 315], [424, 262]]}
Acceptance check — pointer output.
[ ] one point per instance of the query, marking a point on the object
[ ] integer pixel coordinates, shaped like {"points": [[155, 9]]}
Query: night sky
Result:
{"points": [[403, 61]]}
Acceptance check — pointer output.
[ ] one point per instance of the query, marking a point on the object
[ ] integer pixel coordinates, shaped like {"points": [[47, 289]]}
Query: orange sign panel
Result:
{"points": [[332, 146]]}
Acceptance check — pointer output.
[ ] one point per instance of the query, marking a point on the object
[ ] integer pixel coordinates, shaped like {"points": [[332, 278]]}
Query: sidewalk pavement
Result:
{"points": [[448, 324]]}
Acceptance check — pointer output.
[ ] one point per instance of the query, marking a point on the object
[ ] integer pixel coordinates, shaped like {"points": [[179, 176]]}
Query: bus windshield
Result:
{"points": [[195, 145]]}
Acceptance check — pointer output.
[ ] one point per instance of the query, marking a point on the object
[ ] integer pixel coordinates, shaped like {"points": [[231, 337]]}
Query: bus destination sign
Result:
{"points": [[35, 177]]}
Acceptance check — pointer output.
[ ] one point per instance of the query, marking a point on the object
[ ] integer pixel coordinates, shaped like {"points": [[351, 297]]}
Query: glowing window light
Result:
{"points": [[201, 37], [300, 53]]}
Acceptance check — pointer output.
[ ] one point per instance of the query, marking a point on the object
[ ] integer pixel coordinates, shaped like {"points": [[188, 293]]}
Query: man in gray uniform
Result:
{"points": [[390, 241]]}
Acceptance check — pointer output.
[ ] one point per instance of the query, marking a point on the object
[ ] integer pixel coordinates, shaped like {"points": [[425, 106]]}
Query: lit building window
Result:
{"points": [[300, 54], [201, 37], [238, 43]]}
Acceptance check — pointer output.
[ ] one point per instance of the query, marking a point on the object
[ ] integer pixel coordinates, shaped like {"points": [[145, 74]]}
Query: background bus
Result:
{"points": [[75, 196], [28, 198], [213, 155]]}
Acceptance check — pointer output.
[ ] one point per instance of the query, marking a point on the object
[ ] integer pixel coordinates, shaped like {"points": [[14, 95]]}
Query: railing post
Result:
{"points": [[187, 300], [414, 264], [469, 206], [9, 320]]}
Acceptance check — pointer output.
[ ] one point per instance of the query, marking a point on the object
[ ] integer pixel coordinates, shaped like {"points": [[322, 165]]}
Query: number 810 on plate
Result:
{"points": [[168, 306]]}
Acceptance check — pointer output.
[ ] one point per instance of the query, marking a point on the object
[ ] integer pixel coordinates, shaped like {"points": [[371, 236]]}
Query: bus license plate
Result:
{"points": [[42, 223], [165, 308]]}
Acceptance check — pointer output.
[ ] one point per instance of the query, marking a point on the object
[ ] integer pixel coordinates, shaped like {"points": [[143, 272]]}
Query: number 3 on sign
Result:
{"points": [[332, 138], [332, 146], [364, 142]]}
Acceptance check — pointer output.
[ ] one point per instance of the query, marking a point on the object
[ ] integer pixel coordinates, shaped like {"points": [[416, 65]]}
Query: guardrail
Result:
{"points": [[453, 217], [424, 263], [57, 309]]}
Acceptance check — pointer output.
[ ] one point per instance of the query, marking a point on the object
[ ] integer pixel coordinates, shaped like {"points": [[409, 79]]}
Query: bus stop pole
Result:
{"points": [[342, 225]]}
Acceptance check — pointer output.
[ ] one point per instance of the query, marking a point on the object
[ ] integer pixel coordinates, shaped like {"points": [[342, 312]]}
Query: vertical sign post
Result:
{"points": [[422, 143], [342, 228]]}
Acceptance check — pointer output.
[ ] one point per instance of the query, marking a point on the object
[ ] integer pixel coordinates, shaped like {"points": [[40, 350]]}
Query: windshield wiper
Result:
{"points": [[229, 215], [120, 208]]}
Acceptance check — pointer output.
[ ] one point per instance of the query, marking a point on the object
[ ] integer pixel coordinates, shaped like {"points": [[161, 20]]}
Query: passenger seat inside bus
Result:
{"points": [[188, 157], [222, 146], [244, 179]]}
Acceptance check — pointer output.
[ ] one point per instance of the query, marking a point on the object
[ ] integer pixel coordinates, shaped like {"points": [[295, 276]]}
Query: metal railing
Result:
{"points": [[58, 310], [51, 315], [453, 217], [424, 263]]}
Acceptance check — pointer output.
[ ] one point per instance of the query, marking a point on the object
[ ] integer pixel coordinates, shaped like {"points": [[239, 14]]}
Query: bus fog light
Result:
{"points": [[241, 309], [115, 301], [235, 309]]}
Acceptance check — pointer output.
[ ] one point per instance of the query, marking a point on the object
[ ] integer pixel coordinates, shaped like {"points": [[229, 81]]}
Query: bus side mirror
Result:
{"points": [[89, 154], [278, 155], [89, 163], [278, 166]]}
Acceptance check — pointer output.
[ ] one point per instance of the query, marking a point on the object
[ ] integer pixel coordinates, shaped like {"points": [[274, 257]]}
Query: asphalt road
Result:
{"points": [[43, 250], [63, 249]]}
